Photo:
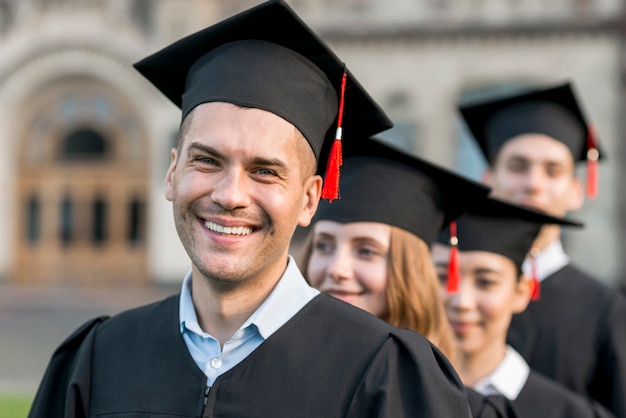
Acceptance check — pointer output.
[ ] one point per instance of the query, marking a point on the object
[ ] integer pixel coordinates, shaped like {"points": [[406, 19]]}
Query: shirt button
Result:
{"points": [[216, 362], [238, 335]]}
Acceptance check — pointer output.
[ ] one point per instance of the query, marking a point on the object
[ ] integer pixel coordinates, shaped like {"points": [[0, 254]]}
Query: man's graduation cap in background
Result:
{"points": [[266, 57], [554, 112], [502, 228], [383, 184]]}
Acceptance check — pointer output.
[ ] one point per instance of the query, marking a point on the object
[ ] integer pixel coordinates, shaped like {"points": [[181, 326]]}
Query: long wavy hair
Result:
{"points": [[413, 297]]}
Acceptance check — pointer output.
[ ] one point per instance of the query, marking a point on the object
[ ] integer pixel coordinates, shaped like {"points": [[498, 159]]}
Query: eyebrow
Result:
{"points": [[486, 270], [369, 240], [269, 162], [359, 239], [479, 270], [323, 235], [523, 159], [204, 148]]}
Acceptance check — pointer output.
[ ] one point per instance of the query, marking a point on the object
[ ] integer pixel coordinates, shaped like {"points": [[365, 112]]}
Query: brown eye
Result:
{"points": [[322, 246], [485, 283], [517, 166], [442, 276]]}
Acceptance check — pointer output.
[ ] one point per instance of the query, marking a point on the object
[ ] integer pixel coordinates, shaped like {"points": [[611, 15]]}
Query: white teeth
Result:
{"points": [[228, 230]]}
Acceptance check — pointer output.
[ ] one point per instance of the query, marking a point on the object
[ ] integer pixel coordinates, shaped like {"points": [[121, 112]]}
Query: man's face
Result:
{"points": [[240, 183], [538, 171]]}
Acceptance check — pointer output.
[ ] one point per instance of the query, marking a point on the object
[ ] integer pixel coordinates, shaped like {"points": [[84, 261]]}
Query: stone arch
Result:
{"points": [[82, 218]]}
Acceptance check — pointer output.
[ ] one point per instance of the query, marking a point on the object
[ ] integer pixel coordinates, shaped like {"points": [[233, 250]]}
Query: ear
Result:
{"points": [[310, 199], [169, 177], [577, 195], [523, 291]]}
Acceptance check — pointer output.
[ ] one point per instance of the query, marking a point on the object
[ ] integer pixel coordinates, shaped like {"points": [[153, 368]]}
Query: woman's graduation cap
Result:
{"points": [[383, 184], [266, 57], [554, 112], [499, 227]]}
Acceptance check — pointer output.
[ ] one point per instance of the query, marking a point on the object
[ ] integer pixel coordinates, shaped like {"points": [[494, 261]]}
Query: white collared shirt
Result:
{"points": [[550, 260], [289, 295], [508, 379]]}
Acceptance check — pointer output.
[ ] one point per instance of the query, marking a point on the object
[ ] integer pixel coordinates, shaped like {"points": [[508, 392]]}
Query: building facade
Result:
{"points": [[85, 140]]}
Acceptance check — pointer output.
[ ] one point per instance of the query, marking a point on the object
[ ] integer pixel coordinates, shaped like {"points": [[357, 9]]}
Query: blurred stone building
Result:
{"points": [[85, 140]]}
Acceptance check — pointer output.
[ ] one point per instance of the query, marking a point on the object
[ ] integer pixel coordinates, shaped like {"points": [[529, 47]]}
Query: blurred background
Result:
{"points": [[85, 140]]}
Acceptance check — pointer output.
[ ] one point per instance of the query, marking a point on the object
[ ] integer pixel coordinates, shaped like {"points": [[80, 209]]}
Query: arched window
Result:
{"points": [[84, 144], [66, 221], [33, 220], [99, 224], [136, 219]]}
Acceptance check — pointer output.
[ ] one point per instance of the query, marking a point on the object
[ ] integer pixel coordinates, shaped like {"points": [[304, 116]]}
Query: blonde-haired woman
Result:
{"points": [[408, 279], [371, 248]]}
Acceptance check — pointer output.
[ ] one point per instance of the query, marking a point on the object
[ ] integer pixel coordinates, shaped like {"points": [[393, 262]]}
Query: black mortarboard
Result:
{"points": [[554, 112], [266, 57], [383, 184], [499, 227]]}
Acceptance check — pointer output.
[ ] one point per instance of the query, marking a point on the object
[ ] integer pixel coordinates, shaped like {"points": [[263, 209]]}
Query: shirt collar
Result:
{"points": [[550, 260], [508, 379], [289, 295], [186, 311]]}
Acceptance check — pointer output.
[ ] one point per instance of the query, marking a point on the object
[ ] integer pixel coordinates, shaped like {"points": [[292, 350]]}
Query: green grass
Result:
{"points": [[15, 406]]}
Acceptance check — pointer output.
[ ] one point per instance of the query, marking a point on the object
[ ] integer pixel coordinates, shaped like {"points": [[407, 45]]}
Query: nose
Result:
{"points": [[231, 190], [464, 299], [534, 179], [340, 267]]}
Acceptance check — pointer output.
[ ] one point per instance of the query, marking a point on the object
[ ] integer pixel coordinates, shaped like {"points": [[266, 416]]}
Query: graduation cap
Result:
{"points": [[383, 184], [266, 57], [554, 112], [499, 227]]}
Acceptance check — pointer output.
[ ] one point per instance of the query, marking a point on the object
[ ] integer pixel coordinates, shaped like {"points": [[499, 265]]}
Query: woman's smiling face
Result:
{"points": [[349, 262], [489, 294]]}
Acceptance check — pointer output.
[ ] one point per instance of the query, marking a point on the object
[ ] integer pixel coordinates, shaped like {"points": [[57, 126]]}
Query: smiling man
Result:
{"points": [[247, 337], [575, 332]]}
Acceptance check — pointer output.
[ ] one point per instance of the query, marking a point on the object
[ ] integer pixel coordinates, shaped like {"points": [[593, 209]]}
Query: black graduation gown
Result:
{"points": [[542, 398], [330, 360], [576, 334], [491, 406]]}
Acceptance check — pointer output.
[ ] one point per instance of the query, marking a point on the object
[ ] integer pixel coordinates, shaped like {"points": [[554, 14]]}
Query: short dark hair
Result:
{"points": [[182, 131]]}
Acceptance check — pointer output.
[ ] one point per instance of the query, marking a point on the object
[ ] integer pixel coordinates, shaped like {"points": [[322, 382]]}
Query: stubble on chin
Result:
{"points": [[222, 281]]}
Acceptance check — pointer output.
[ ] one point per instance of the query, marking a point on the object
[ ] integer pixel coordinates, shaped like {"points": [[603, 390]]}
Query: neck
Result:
{"points": [[221, 311], [472, 367], [547, 236]]}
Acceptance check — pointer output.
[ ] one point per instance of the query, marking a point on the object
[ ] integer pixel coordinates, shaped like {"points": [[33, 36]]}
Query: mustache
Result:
{"points": [[254, 216]]}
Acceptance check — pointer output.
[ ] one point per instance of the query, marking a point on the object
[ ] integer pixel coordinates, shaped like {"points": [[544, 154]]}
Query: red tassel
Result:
{"points": [[454, 275], [536, 290], [592, 163], [330, 190], [592, 179]]}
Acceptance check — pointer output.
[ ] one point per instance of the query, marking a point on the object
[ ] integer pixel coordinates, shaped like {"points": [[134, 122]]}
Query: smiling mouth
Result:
{"points": [[228, 230], [462, 326]]}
